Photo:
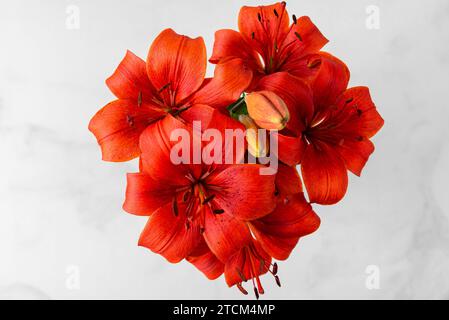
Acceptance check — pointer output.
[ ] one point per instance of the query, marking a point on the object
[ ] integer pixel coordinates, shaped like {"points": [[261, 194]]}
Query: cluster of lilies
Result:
{"points": [[227, 217]]}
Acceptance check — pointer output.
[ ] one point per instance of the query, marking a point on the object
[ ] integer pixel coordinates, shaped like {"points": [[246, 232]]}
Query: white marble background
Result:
{"points": [[60, 206]]}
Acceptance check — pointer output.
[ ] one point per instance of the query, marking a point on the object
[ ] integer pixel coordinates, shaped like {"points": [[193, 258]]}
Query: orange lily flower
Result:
{"points": [[329, 130], [267, 43], [172, 80]]}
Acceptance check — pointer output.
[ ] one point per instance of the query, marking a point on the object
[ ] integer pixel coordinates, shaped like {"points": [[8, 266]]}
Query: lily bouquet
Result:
{"points": [[218, 157]]}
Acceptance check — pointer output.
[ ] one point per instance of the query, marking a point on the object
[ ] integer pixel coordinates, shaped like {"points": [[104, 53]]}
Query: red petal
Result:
{"points": [[288, 181], [324, 174], [279, 231], [156, 147], [205, 261], [166, 234], [145, 195], [330, 82], [312, 40], [176, 64], [369, 121], [305, 68], [231, 78], [229, 44], [249, 262], [244, 192], [118, 126], [232, 150], [290, 149], [224, 234], [261, 27], [130, 79], [355, 154]]}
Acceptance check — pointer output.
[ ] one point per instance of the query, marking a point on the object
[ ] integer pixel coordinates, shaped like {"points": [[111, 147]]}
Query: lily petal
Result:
{"points": [[130, 79], [264, 26], [288, 181], [304, 39], [118, 126], [279, 231], [355, 154], [324, 174], [243, 192], [176, 65], [331, 81], [231, 78], [157, 143], [229, 44], [205, 261], [144, 195], [359, 99], [166, 234], [290, 148], [224, 234]]}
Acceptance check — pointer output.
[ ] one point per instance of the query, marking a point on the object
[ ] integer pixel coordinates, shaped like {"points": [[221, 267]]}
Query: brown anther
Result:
{"points": [[242, 290], [175, 207], [218, 211], [295, 21], [276, 192], [275, 268], [208, 199], [186, 196], [139, 99], [165, 86], [259, 17], [298, 36], [349, 100], [359, 138], [276, 13], [278, 282], [256, 292], [253, 35], [359, 112]]}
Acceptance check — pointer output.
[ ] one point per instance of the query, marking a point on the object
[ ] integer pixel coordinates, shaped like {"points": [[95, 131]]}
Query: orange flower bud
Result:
{"points": [[257, 142], [267, 110]]}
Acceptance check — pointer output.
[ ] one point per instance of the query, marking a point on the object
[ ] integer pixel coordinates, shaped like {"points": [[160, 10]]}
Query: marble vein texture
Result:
{"points": [[63, 234]]}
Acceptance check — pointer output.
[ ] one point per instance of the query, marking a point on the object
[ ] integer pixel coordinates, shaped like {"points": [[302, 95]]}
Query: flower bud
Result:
{"points": [[267, 110], [257, 138]]}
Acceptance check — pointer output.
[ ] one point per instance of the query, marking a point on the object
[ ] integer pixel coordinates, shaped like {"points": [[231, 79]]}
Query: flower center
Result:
{"points": [[196, 197], [275, 51]]}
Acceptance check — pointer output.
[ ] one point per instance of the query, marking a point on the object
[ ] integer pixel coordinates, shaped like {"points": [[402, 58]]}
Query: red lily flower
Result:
{"points": [[276, 234], [189, 202], [171, 80], [271, 47], [267, 43], [331, 132]]}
